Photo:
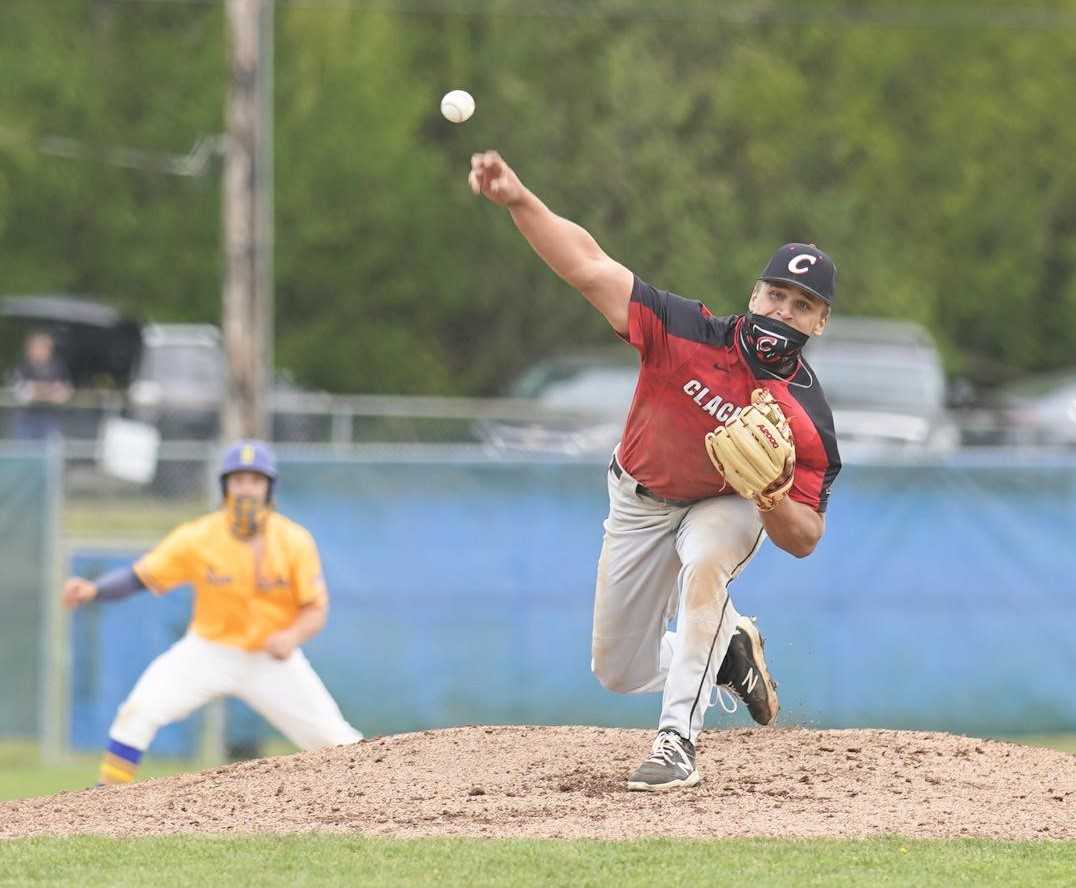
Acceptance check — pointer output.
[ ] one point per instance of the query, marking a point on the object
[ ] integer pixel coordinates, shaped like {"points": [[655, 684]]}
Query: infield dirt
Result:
{"points": [[569, 782]]}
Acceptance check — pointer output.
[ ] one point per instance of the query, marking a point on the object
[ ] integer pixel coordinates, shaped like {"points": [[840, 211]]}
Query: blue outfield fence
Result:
{"points": [[941, 598]]}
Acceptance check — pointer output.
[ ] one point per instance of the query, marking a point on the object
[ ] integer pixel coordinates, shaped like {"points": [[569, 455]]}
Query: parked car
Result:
{"points": [[885, 382], [582, 400], [883, 378], [99, 347], [1039, 410], [180, 381]]}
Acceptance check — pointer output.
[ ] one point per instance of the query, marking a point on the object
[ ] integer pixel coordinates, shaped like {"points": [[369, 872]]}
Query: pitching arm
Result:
{"points": [[567, 248]]}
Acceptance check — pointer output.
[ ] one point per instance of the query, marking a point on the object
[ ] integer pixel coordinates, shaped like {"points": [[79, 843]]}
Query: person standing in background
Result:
{"points": [[41, 386]]}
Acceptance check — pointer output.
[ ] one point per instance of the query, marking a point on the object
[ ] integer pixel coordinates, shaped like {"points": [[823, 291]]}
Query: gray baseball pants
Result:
{"points": [[660, 562]]}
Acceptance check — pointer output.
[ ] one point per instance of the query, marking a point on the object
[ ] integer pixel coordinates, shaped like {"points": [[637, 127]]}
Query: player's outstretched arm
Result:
{"points": [[794, 527], [120, 583], [567, 248]]}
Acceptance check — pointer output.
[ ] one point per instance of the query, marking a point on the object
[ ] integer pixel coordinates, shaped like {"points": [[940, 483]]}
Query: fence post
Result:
{"points": [[211, 749], [55, 703]]}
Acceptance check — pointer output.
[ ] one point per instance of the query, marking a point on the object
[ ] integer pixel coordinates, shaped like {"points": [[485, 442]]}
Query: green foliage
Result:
{"points": [[335, 860], [926, 147]]}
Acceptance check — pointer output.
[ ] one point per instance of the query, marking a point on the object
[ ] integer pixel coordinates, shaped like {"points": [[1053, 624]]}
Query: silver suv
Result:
{"points": [[885, 382], [180, 380]]}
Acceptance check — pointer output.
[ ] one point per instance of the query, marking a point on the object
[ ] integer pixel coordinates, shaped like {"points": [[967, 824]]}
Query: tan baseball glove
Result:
{"points": [[755, 452]]}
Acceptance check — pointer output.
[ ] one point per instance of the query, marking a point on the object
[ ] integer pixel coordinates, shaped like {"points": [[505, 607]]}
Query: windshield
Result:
{"points": [[185, 367], [863, 380]]}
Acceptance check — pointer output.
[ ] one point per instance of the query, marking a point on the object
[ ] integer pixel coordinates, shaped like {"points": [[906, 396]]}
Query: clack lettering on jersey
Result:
{"points": [[216, 579], [717, 407]]}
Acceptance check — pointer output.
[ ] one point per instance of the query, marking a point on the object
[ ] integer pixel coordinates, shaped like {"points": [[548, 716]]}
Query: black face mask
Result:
{"points": [[774, 343]]}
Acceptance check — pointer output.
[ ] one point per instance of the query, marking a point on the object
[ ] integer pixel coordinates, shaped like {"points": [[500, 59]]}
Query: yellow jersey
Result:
{"points": [[244, 590]]}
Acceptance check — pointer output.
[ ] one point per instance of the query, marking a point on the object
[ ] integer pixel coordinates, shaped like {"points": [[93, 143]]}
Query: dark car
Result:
{"points": [[581, 401], [170, 376], [99, 346]]}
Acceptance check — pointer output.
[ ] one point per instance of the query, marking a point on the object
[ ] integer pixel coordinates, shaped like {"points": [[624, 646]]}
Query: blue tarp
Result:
{"points": [[940, 598]]}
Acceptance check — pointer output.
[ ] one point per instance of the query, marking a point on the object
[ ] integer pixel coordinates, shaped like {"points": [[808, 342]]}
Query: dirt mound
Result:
{"points": [[570, 782]]}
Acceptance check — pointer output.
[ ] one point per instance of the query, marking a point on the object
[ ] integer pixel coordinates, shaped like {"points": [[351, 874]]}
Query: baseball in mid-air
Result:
{"points": [[457, 105]]}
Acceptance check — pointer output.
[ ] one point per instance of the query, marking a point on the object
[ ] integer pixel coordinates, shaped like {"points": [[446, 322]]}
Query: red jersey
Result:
{"points": [[697, 372]]}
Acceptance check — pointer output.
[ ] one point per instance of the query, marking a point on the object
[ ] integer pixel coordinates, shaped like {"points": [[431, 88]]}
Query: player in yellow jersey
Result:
{"points": [[258, 595]]}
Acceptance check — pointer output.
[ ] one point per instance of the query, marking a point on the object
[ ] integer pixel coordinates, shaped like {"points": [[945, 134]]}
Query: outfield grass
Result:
{"points": [[24, 775], [447, 863], [148, 518], [1063, 742]]}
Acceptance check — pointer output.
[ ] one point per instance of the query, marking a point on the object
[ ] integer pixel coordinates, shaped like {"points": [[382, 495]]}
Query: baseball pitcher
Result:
{"points": [[259, 595], [729, 440]]}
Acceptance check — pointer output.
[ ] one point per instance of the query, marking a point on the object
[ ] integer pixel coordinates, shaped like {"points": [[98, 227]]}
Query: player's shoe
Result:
{"points": [[671, 764], [744, 672]]}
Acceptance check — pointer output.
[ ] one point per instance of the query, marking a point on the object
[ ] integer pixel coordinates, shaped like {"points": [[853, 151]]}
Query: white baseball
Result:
{"points": [[457, 105]]}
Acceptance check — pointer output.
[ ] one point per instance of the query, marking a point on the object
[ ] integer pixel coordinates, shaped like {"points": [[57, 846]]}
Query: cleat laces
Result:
{"points": [[718, 695], [667, 750]]}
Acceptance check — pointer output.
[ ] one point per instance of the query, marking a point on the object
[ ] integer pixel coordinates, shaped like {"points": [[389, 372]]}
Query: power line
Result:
{"points": [[746, 14]]}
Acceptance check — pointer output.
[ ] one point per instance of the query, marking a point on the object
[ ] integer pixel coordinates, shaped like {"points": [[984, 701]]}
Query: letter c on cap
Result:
{"points": [[796, 266]]}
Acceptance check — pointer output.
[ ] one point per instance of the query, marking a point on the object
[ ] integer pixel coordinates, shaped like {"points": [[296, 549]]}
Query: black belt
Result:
{"points": [[643, 490]]}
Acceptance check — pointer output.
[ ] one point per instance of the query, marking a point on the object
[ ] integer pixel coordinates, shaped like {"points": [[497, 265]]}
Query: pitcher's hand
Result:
{"points": [[494, 179]]}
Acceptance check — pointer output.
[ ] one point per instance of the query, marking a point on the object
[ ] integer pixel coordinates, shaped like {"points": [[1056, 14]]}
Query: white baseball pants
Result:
{"points": [[193, 671], [658, 562]]}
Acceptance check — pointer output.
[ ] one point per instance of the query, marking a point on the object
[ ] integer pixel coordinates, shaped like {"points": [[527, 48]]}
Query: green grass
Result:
{"points": [[129, 519], [1063, 742], [447, 863], [23, 774]]}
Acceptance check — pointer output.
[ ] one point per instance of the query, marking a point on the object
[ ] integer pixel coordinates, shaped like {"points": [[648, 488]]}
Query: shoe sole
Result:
{"points": [[754, 638], [692, 779]]}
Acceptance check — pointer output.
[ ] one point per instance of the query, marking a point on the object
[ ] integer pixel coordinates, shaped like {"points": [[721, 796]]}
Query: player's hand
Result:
{"points": [[78, 591], [494, 179], [281, 645]]}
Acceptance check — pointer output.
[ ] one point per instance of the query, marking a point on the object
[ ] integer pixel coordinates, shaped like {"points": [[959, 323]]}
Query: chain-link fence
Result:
{"points": [[29, 496]]}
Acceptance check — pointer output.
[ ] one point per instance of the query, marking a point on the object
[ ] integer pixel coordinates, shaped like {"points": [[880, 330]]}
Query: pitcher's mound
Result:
{"points": [[569, 782]]}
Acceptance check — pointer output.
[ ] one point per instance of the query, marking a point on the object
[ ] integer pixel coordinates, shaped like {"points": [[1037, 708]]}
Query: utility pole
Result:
{"points": [[247, 208]]}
